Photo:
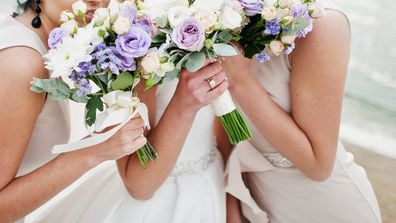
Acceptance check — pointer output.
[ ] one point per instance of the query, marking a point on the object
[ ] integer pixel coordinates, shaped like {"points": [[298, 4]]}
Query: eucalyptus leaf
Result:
{"points": [[161, 21], [181, 62], [75, 97], [172, 75], [222, 49], [123, 81], [160, 38], [195, 62], [56, 88], [224, 36]]}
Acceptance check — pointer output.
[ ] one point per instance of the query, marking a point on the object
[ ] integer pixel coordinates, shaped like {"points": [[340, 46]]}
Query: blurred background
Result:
{"points": [[369, 112]]}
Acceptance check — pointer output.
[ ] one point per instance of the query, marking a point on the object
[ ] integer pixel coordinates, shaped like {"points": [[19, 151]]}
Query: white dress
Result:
{"points": [[193, 192], [52, 125], [276, 191]]}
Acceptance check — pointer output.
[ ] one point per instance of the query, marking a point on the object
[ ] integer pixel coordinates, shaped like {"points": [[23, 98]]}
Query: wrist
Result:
{"points": [[86, 157], [185, 109]]}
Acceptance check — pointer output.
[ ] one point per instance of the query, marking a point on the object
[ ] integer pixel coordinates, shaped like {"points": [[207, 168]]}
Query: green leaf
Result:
{"points": [[172, 75], [75, 97], [151, 81], [123, 81], [222, 49], [161, 21], [94, 103], [160, 38], [224, 37], [195, 62], [181, 62], [56, 88]]}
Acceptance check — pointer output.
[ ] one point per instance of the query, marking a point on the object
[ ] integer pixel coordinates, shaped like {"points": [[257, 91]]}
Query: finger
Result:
{"points": [[217, 79], [137, 144], [209, 71], [135, 123], [218, 91], [135, 133]]}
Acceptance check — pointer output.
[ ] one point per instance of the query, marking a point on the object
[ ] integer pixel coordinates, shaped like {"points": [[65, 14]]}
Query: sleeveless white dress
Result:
{"points": [[52, 125], [193, 192], [274, 191]]}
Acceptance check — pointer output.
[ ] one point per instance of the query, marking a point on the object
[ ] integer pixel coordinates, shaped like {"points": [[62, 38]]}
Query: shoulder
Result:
{"points": [[20, 63], [329, 38]]}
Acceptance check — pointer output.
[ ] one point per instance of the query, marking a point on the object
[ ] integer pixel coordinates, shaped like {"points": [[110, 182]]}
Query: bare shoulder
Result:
{"points": [[329, 38]]}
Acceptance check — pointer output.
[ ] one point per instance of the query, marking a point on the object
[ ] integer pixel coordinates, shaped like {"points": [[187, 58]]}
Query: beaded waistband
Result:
{"points": [[194, 166]]}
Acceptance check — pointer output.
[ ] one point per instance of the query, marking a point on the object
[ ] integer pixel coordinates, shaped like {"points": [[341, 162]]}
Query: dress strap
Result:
{"points": [[15, 34]]}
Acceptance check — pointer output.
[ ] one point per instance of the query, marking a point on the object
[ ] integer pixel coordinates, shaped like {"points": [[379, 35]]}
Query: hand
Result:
{"points": [[124, 142], [194, 90], [236, 67]]}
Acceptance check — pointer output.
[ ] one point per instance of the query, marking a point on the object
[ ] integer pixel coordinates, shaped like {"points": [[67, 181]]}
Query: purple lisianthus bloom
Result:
{"points": [[55, 37], [273, 27], [146, 24], [133, 44], [129, 12], [189, 35], [126, 64], [262, 57], [252, 7]]}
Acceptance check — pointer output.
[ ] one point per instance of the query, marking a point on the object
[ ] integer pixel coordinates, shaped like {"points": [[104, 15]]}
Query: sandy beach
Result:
{"points": [[380, 170]]}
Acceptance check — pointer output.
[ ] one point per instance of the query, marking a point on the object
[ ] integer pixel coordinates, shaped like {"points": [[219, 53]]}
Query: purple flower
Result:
{"points": [[273, 27], [146, 24], [55, 37], [133, 44], [126, 64], [129, 12], [289, 49], [87, 67], [299, 10], [305, 31], [84, 87], [252, 7], [262, 57], [189, 35]]}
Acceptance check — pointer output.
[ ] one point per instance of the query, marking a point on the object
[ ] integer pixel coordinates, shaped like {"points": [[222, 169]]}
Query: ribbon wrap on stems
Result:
{"points": [[121, 108]]}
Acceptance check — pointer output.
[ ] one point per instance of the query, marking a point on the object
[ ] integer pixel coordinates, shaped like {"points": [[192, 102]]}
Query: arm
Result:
{"points": [[168, 137], [18, 113], [225, 147], [309, 136]]}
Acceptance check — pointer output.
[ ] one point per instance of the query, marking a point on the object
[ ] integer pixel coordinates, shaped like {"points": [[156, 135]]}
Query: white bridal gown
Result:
{"points": [[52, 125], [193, 192]]}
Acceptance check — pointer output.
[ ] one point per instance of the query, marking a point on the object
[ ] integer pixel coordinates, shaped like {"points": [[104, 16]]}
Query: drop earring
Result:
{"points": [[36, 22]]}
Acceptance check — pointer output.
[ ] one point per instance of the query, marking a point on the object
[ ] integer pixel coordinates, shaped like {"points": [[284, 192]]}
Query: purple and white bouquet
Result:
{"points": [[100, 58], [274, 25], [188, 33]]}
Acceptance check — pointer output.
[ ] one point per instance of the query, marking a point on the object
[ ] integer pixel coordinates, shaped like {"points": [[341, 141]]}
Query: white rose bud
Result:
{"points": [[70, 26], [79, 8], [156, 13], [269, 13], [317, 10], [285, 3], [230, 19], [66, 16], [210, 5], [177, 14], [208, 19], [167, 67], [101, 14], [121, 25], [287, 20], [150, 63], [114, 9], [277, 47], [288, 39]]}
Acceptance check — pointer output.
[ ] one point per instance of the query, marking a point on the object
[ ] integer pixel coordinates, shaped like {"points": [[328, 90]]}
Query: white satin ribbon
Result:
{"points": [[121, 108], [223, 104]]}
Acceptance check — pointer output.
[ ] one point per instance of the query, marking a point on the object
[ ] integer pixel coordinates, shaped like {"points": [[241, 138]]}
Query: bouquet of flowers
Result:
{"points": [[274, 25], [187, 34], [103, 55]]}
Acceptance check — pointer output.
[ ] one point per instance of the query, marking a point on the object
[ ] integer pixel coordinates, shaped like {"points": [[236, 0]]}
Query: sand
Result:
{"points": [[381, 172]]}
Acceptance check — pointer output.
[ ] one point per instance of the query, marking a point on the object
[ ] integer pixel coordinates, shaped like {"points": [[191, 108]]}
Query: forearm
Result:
{"points": [[276, 125], [26, 193], [167, 138]]}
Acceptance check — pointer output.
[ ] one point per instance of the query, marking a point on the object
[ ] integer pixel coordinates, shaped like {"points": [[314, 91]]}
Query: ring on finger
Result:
{"points": [[211, 83]]}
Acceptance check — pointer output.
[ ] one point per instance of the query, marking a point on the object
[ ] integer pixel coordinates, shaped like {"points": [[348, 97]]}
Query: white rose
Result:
{"points": [[166, 4], [121, 25], [79, 8], [70, 26], [269, 13], [237, 6], [317, 10], [155, 13], [283, 13], [151, 62], [230, 19], [277, 47], [102, 29], [288, 39], [123, 4], [177, 14], [285, 3], [210, 5], [208, 19], [66, 16], [101, 14], [114, 9]]}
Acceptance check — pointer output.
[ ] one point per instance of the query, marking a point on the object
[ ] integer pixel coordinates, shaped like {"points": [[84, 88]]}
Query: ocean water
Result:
{"points": [[369, 111]]}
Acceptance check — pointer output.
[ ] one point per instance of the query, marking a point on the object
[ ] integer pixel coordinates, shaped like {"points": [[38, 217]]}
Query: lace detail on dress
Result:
{"points": [[194, 166], [278, 160]]}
